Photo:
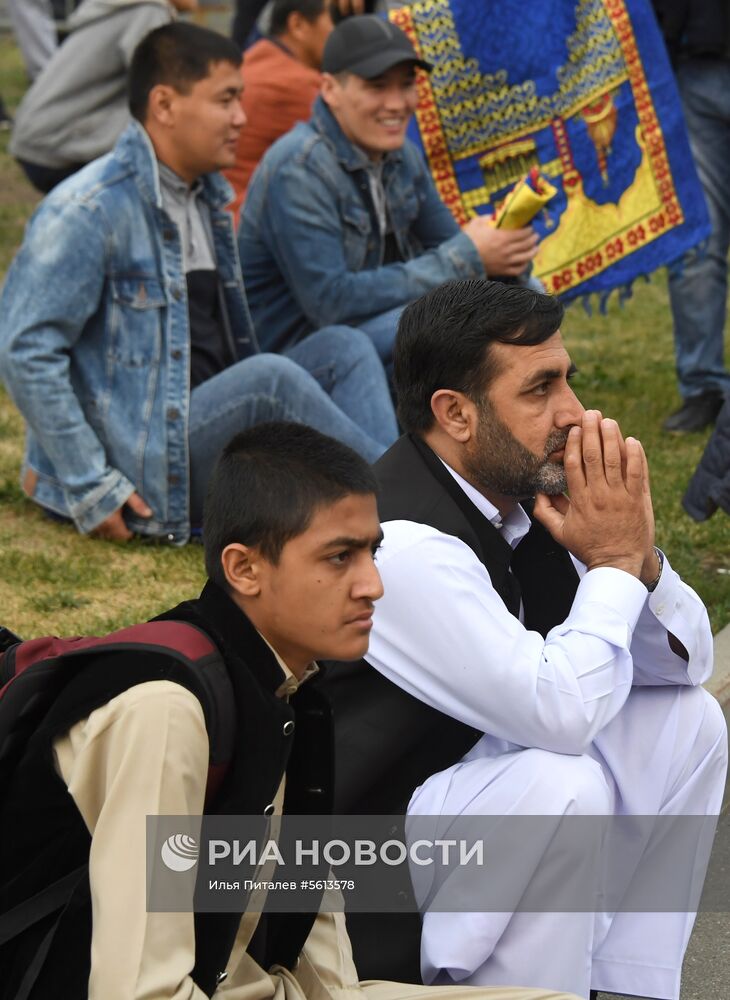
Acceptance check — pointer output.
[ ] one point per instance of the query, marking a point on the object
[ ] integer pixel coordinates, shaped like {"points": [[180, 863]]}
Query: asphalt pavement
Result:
{"points": [[706, 972]]}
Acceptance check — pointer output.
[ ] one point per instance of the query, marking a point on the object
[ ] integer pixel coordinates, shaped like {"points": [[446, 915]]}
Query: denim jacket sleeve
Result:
{"points": [[53, 287], [304, 231], [434, 223]]}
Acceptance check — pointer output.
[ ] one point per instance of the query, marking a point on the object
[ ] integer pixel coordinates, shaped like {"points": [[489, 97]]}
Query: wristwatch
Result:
{"points": [[651, 587]]}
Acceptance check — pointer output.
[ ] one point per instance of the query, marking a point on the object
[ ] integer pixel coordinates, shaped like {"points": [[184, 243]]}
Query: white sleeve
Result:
{"points": [[442, 633], [143, 753], [672, 609]]}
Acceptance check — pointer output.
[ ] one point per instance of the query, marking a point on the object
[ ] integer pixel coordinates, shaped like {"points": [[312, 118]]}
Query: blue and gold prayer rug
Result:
{"points": [[584, 92]]}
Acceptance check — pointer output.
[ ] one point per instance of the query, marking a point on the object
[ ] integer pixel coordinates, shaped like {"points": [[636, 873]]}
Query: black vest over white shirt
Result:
{"points": [[415, 486], [387, 742]]}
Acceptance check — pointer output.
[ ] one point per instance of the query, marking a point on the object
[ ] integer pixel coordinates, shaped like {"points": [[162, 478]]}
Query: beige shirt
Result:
{"points": [[144, 753]]}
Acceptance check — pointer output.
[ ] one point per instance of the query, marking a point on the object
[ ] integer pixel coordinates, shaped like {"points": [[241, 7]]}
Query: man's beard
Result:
{"points": [[500, 464]]}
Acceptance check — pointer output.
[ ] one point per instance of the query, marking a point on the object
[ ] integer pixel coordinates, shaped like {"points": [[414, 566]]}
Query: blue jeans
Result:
{"points": [[698, 291], [332, 380], [381, 330]]}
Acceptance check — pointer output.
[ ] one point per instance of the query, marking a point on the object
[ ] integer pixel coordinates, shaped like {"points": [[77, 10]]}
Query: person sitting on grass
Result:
{"points": [[342, 221], [282, 80], [138, 361]]}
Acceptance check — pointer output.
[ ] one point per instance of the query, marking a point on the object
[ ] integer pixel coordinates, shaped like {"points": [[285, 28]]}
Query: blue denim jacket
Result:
{"points": [[310, 243], [95, 340]]}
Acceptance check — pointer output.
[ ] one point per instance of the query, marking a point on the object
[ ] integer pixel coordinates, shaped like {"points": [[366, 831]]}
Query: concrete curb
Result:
{"points": [[719, 683]]}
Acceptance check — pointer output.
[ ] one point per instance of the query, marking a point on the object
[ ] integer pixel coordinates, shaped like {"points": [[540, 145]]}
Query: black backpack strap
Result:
{"points": [[49, 900], [56, 898]]}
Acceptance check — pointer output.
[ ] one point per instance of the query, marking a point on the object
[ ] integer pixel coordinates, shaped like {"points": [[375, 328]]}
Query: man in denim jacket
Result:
{"points": [[127, 295], [342, 222]]}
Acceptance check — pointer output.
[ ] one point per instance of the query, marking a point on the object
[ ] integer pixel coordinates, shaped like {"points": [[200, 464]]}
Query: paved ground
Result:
{"points": [[706, 974]]}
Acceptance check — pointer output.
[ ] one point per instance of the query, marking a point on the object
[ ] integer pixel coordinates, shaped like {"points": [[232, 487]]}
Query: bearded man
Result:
{"points": [[534, 649]]}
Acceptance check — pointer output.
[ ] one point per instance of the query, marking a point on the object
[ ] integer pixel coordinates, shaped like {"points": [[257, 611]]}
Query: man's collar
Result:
{"points": [[350, 156], [514, 527], [273, 40], [134, 147], [232, 628], [238, 633], [175, 183], [291, 684]]}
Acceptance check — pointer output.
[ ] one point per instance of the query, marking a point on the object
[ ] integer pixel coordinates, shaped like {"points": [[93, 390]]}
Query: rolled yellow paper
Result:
{"points": [[524, 201]]}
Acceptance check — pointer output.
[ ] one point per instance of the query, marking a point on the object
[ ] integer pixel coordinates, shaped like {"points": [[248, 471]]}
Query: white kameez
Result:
{"points": [[601, 717]]}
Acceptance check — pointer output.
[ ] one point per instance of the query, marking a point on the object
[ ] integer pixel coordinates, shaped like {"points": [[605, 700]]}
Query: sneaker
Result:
{"points": [[695, 413]]}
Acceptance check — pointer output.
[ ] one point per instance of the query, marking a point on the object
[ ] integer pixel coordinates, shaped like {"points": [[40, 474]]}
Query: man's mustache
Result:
{"points": [[556, 441]]}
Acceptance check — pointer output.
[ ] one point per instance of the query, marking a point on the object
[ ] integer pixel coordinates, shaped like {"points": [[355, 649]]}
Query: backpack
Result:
{"points": [[33, 676]]}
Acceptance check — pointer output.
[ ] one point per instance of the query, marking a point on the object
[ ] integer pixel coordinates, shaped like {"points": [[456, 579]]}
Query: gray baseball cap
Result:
{"points": [[368, 46]]}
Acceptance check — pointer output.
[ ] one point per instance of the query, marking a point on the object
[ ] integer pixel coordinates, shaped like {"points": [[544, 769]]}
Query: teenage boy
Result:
{"points": [[291, 529]]}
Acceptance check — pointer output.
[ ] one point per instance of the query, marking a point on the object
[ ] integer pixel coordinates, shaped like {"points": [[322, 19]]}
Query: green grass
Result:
{"points": [[53, 580]]}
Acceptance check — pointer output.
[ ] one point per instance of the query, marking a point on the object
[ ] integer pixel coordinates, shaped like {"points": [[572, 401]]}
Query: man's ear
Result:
{"points": [[329, 89], [455, 414], [160, 104], [242, 566], [295, 22]]}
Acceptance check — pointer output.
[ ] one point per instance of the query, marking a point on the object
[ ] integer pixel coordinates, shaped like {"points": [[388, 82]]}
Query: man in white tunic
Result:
{"points": [[579, 662]]}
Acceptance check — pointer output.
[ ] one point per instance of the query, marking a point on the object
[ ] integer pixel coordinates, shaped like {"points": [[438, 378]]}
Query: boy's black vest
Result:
{"points": [[49, 835], [388, 742]]}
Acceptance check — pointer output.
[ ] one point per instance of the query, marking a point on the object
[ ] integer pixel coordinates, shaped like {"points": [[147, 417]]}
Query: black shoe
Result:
{"points": [[695, 413]]}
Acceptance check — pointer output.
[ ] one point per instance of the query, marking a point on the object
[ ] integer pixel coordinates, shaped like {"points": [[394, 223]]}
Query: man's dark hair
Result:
{"points": [[444, 337], [281, 9], [178, 55], [269, 482]]}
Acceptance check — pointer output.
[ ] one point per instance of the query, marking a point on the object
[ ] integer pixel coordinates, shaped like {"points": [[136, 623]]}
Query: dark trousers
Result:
{"points": [[44, 179]]}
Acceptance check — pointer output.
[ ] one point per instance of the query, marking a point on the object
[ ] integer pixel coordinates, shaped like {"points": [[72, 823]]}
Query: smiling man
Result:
{"points": [[342, 221], [534, 648], [139, 361]]}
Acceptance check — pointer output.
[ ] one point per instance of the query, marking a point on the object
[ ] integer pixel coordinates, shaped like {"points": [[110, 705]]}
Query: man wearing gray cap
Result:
{"points": [[342, 222]]}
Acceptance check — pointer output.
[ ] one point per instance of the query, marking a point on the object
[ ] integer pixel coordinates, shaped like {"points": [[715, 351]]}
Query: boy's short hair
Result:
{"points": [[269, 482], [178, 55], [444, 340], [281, 9]]}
